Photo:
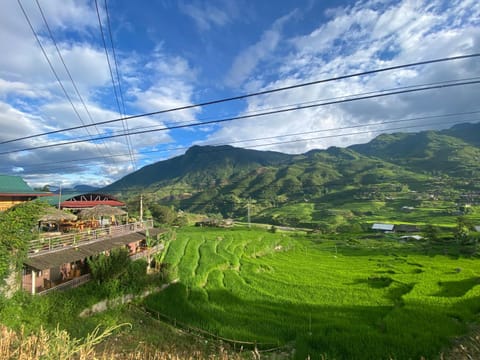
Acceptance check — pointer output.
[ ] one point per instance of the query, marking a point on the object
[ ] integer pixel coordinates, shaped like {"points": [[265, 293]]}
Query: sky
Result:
{"points": [[168, 54]]}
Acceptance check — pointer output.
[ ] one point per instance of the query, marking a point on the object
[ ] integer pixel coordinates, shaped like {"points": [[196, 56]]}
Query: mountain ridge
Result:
{"points": [[212, 178]]}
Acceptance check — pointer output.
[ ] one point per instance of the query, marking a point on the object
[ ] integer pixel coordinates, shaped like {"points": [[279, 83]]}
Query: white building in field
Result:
{"points": [[383, 227]]}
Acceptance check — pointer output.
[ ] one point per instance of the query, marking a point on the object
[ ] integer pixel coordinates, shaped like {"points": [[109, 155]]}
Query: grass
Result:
{"points": [[347, 300], [311, 214]]}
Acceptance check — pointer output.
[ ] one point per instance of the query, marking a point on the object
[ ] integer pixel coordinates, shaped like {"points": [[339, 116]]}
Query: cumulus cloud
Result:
{"points": [[367, 35], [362, 36], [32, 102]]}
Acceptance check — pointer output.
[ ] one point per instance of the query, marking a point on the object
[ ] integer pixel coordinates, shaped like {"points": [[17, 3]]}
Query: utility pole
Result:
{"points": [[248, 212], [59, 196], [141, 208]]}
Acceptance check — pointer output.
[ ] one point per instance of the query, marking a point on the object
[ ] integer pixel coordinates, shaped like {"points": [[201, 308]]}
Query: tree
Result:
{"points": [[462, 232], [162, 214], [431, 233], [104, 267], [17, 229]]}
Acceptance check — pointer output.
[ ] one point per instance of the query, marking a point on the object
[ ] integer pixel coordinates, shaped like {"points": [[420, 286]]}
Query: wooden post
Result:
{"points": [[34, 275]]}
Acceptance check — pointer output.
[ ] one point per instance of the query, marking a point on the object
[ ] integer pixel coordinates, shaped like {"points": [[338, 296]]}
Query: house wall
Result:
{"points": [[7, 202], [134, 247], [40, 278]]}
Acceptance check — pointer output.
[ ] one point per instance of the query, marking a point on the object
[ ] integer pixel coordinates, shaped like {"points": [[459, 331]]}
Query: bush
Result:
{"points": [[105, 267]]}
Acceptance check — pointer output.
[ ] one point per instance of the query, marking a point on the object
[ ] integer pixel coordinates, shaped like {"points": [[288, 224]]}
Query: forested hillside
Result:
{"points": [[226, 180]]}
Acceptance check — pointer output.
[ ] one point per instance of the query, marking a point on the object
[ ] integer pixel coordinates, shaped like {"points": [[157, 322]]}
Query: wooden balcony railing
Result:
{"points": [[67, 285], [44, 244], [144, 253]]}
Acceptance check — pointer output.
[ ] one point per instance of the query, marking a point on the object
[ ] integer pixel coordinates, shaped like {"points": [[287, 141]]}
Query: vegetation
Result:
{"points": [[436, 173], [109, 266], [313, 282], [55, 344], [321, 295], [59, 345], [17, 228]]}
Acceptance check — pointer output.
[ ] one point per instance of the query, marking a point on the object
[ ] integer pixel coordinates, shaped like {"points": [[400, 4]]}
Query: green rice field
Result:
{"points": [[341, 299]]}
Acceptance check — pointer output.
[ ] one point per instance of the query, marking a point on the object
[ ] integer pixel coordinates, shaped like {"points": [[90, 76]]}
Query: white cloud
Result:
{"points": [[206, 15], [365, 36], [171, 84], [247, 60]]}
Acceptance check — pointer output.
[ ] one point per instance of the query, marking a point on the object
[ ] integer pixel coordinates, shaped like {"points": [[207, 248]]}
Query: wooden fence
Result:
{"points": [[144, 254], [75, 282]]}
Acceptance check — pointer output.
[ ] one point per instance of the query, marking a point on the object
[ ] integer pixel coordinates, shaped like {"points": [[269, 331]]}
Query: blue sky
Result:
{"points": [[177, 53]]}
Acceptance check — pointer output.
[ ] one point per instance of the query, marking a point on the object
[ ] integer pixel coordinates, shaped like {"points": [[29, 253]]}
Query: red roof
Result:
{"points": [[88, 204]]}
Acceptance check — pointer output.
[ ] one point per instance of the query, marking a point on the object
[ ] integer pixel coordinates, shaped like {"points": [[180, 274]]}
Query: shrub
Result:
{"points": [[104, 267]]}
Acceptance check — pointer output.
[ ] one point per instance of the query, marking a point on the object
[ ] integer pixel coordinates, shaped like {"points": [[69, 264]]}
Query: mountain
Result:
{"points": [[454, 151], [81, 188], [200, 166], [226, 179]]}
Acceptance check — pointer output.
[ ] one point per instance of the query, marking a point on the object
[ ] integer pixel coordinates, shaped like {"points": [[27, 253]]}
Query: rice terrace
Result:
{"points": [[338, 298]]}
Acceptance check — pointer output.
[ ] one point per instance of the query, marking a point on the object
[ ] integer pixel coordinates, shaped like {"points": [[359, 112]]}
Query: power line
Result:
{"points": [[450, 122], [258, 93], [117, 71], [53, 69], [152, 127], [113, 83], [251, 116], [68, 72], [296, 134]]}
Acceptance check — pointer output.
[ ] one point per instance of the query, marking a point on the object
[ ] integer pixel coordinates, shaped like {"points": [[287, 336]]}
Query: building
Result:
{"points": [[60, 262], [383, 227], [83, 201], [14, 190]]}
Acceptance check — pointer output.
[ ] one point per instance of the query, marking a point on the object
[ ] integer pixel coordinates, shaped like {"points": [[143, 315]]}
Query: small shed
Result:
{"points": [[383, 227]]}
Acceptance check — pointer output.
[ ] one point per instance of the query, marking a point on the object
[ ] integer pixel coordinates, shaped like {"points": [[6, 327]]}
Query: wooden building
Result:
{"points": [[61, 262], [14, 190]]}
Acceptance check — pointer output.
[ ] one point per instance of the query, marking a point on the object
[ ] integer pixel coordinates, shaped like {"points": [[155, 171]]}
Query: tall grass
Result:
{"points": [[59, 345]]}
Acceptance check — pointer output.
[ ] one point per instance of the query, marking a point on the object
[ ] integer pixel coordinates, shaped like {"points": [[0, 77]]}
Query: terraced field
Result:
{"points": [[347, 300]]}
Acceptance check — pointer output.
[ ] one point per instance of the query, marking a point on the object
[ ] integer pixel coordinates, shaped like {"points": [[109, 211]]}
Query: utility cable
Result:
{"points": [[258, 93], [449, 122], [251, 116], [120, 90], [152, 127], [113, 84], [68, 73], [53, 70]]}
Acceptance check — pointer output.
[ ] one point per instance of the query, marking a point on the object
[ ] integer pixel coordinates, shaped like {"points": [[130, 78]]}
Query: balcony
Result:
{"points": [[46, 244]]}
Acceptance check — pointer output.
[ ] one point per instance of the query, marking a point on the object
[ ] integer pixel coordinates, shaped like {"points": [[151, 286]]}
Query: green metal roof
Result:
{"points": [[16, 185]]}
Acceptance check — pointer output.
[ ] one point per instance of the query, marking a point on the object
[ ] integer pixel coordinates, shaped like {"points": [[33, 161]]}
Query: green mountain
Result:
{"points": [[199, 167], [227, 180], [454, 152]]}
